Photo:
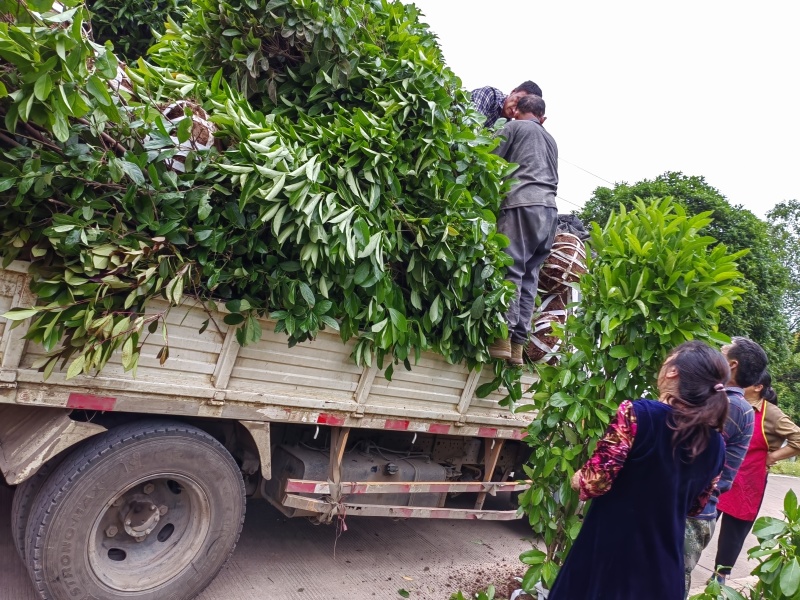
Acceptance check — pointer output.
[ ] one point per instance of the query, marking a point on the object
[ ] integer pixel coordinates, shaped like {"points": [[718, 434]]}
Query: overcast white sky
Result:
{"points": [[634, 89]]}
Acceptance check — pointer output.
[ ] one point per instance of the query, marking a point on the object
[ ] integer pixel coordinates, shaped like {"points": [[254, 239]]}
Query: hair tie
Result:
{"points": [[719, 387]]}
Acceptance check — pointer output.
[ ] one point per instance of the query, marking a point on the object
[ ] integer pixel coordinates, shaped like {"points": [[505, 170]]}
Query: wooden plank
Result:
{"points": [[226, 360], [364, 388], [403, 512], [491, 453], [339, 437], [466, 395], [13, 342], [307, 486]]}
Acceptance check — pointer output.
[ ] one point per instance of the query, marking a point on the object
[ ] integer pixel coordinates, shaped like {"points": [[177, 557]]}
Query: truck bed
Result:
{"points": [[210, 375]]}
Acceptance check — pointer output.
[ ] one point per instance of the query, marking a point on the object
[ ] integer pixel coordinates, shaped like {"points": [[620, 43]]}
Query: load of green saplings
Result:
{"points": [[311, 161]]}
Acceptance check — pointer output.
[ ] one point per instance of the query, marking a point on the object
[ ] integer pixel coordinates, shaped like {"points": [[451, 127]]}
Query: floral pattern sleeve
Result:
{"points": [[599, 472], [701, 501]]}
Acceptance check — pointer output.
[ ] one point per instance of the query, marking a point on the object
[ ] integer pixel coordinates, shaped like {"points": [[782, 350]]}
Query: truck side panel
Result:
{"points": [[210, 375]]}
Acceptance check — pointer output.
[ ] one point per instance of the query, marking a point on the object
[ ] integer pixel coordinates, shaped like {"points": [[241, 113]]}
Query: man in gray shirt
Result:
{"points": [[528, 216]]}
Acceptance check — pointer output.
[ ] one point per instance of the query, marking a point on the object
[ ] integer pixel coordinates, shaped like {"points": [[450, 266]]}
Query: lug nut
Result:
{"points": [[149, 488], [128, 522], [111, 531], [162, 510]]}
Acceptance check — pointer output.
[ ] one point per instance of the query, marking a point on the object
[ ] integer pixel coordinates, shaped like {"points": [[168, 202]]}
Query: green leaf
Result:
{"points": [[330, 322], [60, 127], [204, 207], [98, 89], [478, 306], [398, 320], [238, 305], [307, 294], [133, 171], [790, 506], [233, 319], [403, 593], [20, 314], [767, 527], [619, 352], [175, 290], [76, 367], [790, 578], [43, 87]]}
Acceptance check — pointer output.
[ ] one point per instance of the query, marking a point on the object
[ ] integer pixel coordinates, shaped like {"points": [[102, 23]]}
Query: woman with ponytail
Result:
{"points": [[739, 506], [657, 462]]}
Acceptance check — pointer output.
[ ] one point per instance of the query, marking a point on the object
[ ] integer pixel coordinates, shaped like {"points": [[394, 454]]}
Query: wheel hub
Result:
{"points": [[140, 517]]}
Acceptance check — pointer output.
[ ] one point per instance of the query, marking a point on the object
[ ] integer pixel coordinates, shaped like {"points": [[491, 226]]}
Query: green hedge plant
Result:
{"points": [[652, 283]]}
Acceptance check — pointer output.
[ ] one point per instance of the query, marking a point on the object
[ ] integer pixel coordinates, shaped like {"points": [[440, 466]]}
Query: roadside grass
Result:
{"points": [[786, 467]]}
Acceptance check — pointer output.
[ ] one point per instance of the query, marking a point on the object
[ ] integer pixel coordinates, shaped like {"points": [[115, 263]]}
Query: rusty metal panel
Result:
{"points": [[29, 436]]}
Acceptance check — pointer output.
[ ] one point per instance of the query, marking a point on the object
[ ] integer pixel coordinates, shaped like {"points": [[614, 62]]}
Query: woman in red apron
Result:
{"points": [[739, 506]]}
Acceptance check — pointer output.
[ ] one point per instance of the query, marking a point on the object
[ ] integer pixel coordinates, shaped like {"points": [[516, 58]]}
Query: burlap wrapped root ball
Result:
{"points": [[201, 136], [565, 265], [543, 342]]}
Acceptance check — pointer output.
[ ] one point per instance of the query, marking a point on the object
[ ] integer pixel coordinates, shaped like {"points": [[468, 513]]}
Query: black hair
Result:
{"points": [[752, 361], [767, 392], [529, 88], [531, 104], [702, 404]]}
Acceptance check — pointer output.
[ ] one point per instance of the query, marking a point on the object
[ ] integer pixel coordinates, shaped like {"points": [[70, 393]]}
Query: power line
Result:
{"points": [[569, 201], [560, 158]]}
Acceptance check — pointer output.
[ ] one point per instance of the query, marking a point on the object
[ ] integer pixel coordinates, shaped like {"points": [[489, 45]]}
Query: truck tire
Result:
{"points": [[24, 496], [146, 511]]}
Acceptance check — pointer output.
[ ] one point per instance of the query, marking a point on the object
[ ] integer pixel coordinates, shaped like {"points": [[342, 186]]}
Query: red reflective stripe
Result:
{"points": [[439, 487], [298, 486], [326, 419], [396, 424], [487, 432], [90, 402], [437, 428]]}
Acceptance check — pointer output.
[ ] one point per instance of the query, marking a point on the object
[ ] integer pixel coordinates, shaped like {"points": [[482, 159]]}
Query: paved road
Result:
{"points": [[291, 559], [773, 504]]}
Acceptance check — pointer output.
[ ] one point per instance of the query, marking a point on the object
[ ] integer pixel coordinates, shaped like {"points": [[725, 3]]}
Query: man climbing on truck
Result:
{"points": [[528, 216]]}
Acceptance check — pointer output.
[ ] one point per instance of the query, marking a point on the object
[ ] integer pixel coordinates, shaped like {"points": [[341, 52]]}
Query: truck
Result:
{"points": [[134, 485]]}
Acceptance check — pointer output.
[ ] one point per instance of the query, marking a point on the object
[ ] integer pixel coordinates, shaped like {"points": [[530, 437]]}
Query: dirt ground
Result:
{"points": [[292, 559]]}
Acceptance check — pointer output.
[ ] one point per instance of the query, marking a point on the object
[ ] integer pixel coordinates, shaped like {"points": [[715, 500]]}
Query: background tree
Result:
{"points": [[784, 221], [765, 276]]}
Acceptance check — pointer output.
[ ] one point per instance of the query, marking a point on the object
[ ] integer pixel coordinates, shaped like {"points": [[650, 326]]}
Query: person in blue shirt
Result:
{"points": [[747, 361], [493, 104]]}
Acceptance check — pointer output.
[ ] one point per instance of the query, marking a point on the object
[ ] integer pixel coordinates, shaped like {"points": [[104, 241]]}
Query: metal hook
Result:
{"points": [[415, 439], [492, 448], [316, 433]]}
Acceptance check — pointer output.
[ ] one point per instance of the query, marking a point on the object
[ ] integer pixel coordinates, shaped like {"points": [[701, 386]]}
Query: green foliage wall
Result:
{"points": [[654, 281], [760, 314]]}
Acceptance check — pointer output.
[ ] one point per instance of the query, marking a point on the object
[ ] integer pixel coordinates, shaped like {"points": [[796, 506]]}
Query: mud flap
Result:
{"points": [[31, 435]]}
